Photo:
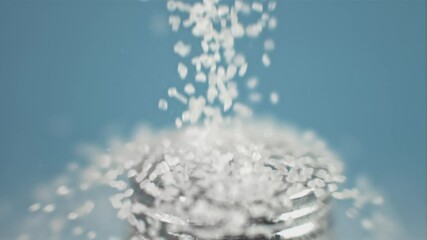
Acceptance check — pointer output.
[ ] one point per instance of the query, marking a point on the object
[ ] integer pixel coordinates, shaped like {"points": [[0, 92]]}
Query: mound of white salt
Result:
{"points": [[252, 179]]}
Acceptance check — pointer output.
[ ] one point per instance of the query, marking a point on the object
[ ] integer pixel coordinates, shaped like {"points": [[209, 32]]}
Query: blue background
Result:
{"points": [[75, 72]]}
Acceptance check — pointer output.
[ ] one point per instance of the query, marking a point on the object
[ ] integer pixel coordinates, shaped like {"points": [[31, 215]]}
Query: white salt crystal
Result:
{"points": [[379, 200], [172, 92], [163, 104], [174, 21], [182, 70], [182, 49], [351, 213], [319, 192], [272, 6], [257, 7], [178, 123], [269, 45], [231, 71], [189, 89], [242, 110], [239, 59], [243, 69], [200, 77], [63, 190], [72, 216], [367, 224], [237, 30], [171, 5], [77, 231], [254, 30], [35, 207], [272, 23], [266, 60], [252, 83], [274, 98], [180, 97], [255, 97], [91, 235], [49, 208]]}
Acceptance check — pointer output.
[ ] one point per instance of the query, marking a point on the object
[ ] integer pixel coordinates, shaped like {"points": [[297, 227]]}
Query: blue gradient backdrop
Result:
{"points": [[74, 72]]}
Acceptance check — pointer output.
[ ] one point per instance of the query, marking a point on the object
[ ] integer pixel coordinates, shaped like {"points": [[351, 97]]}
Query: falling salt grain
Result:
{"points": [[182, 49], [189, 89], [257, 7], [266, 60], [182, 70], [200, 77], [252, 83], [272, 23], [274, 98], [243, 69], [269, 45]]}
